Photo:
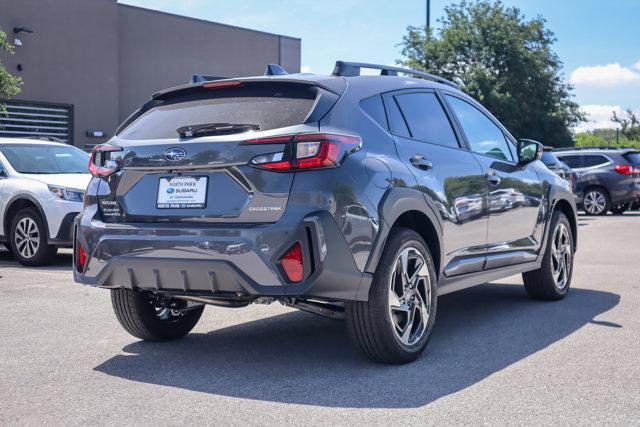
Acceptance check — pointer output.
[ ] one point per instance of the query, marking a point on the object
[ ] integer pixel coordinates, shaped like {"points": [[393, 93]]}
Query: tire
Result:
{"points": [[596, 201], [542, 283], [373, 327], [621, 208], [33, 251], [139, 316]]}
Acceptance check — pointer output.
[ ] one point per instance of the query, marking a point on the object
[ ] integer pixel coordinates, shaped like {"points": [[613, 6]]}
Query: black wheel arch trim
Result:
{"points": [[393, 204], [43, 217]]}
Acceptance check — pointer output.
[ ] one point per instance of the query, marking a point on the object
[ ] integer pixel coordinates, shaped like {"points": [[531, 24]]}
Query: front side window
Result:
{"points": [[426, 118], [46, 159], [484, 136]]}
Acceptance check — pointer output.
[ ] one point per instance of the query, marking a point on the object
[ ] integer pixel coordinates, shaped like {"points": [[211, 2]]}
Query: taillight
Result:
{"points": [[81, 261], [625, 169], [293, 264], [306, 151], [103, 161]]}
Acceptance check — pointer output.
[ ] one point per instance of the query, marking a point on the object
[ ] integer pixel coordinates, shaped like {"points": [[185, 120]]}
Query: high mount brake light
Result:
{"points": [[625, 169], [221, 85], [306, 151], [101, 162]]}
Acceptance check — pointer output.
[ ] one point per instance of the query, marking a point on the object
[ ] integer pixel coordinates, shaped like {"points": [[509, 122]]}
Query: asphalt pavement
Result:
{"points": [[495, 357]]}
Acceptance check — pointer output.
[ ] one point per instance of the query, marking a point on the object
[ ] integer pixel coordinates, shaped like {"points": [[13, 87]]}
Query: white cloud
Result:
{"points": [[598, 117], [604, 75], [305, 69], [637, 65]]}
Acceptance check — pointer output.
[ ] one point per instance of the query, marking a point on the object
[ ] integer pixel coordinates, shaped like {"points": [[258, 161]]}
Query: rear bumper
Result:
{"points": [[225, 262]]}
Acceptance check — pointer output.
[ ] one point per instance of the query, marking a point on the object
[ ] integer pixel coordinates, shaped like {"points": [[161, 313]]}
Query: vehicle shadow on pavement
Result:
{"points": [[61, 262], [303, 359]]}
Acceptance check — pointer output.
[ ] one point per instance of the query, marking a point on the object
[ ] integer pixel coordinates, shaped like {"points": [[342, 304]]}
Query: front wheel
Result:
{"points": [[28, 239], [395, 324], [143, 318], [552, 280]]}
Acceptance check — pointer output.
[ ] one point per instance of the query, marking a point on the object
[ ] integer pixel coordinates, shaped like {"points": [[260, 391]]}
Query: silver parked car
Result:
{"points": [[42, 184]]}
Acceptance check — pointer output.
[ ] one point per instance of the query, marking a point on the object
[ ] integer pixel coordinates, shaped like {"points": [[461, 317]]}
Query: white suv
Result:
{"points": [[42, 184]]}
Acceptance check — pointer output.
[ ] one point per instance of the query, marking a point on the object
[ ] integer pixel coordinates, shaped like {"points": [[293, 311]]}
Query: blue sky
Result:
{"points": [[598, 41]]}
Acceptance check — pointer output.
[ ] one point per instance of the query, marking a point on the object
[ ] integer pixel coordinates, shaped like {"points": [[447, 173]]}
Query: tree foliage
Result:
{"points": [[629, 124], [505, 62], [9, 84]]}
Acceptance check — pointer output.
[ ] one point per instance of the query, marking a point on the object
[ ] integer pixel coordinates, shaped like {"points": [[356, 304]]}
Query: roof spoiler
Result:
{"points": [[352, 69]]}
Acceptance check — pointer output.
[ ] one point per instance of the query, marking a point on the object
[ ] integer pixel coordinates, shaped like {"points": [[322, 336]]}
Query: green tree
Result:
{"points": [[9, 84], [629, 123], [505, 62]]}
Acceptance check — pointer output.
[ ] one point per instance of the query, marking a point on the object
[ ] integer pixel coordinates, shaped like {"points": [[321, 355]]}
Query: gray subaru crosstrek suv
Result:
{"points": [[355, 197]]}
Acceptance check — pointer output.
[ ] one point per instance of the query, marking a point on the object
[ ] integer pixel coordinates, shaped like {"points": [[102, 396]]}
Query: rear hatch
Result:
{"points": [[184, 156]]}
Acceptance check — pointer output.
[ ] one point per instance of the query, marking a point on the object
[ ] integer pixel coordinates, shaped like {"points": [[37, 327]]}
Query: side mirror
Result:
{"points": [[529, 151]]}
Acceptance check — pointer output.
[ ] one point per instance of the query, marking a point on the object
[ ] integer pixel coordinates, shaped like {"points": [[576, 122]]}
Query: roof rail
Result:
{"points": [[352, 69], [201, 78]]}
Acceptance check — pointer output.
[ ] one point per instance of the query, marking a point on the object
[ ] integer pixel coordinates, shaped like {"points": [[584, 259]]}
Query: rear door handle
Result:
{"points": [[492, 178], [420, 162]]}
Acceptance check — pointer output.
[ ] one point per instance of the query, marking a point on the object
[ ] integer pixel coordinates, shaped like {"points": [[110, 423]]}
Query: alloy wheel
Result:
{"points": [[561, 256], [594, 202], [27, 237], [410, 296]]}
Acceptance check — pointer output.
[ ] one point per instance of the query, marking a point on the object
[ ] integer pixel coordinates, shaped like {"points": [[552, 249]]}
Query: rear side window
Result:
{"points": [[632, 157], [266, 105], [484, 136], [397, 125], [375, 109], [426, 118], [589, 161]]}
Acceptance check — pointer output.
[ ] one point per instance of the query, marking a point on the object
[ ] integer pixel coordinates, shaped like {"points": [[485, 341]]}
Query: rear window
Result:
{"points": [[633, 158], [267, 105]]}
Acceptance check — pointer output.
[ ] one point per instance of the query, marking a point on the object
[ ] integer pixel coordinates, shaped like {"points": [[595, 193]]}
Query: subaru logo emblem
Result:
{"points": [[175, 154]]}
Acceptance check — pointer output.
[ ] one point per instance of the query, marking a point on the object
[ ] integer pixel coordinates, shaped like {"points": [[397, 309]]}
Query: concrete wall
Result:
{"points": [[158, 50], [71, 58], [106, 59]]}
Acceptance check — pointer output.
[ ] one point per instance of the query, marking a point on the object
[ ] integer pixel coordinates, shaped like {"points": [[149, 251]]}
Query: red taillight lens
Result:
{"points": [[102, 162], [306, 151], [82, 258], [625, 169], [293, 264]]}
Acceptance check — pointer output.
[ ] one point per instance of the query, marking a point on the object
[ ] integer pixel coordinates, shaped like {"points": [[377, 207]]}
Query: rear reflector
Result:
{"points": [[625, 169], [82, 258], [309, 151], [293, 264]]}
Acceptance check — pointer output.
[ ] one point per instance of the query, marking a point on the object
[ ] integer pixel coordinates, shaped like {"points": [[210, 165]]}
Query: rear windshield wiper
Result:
{"points": [[215, 129]]}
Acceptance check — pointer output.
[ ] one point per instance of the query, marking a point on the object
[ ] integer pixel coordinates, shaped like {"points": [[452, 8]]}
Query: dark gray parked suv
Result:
{"points": [[608, 178], [357, 197]]}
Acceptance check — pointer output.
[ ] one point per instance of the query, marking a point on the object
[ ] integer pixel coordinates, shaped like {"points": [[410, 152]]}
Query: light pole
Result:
{"points": [[428, 14]]}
